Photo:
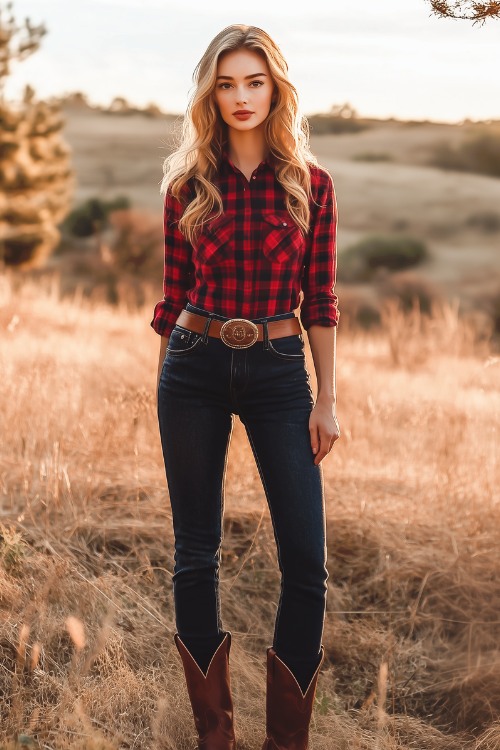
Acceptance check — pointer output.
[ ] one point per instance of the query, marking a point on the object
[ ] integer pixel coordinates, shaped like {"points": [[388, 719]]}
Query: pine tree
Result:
{"points": [[36, 178]]}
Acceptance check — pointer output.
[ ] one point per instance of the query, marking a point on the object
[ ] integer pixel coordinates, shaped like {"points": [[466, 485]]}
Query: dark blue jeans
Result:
{"points": [[203, 383]]}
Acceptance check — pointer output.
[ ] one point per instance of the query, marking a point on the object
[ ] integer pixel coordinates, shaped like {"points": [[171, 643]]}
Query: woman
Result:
{"points": [[249, 220]]}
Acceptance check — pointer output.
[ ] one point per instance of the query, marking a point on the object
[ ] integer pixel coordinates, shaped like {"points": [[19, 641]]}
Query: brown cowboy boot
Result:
{"points": [[210, 697], [288, 710]]}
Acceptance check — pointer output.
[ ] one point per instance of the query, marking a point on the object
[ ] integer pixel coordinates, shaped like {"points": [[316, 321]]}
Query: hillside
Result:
{"points": [[399, 193]]}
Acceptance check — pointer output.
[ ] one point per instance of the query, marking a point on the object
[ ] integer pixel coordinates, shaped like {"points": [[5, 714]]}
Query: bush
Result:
{"points": [[493, 308], [323, 124], [137, 247], [480, 154], [90, 217], [408, 287], [361, 261], [372, 156], [486, 221], [22, 249]]}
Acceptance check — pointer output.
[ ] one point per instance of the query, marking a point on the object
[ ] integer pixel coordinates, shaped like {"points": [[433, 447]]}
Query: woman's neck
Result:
{"points": [[247, 149]]}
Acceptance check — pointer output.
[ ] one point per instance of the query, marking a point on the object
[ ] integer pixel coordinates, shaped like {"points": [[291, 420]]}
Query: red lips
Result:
{"points": [[243, 112]]}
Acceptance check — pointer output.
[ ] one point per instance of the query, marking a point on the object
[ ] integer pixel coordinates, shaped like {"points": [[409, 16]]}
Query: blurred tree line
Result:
{"points": [[36, 178]]}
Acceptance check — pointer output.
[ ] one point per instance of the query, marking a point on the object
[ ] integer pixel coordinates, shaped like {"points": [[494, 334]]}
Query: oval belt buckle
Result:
{"points": [[239, 333]]}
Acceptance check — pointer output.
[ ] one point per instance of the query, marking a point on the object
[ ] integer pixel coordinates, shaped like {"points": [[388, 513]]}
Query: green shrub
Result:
{"points": [[359, 262], [90, 216]]}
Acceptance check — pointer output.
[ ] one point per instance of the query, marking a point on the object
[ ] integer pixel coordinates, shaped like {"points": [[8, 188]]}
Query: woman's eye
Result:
{"points": [[223, 85]]}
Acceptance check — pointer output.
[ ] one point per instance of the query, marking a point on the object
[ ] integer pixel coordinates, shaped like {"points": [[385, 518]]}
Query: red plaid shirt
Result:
{"points": [[253, 260]]}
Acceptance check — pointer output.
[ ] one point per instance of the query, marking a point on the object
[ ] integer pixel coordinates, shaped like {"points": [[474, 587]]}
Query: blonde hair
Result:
{"points": [[204, 135]]}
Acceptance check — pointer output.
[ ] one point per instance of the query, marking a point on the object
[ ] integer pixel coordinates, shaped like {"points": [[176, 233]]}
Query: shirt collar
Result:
{"points": [[226, 161]]}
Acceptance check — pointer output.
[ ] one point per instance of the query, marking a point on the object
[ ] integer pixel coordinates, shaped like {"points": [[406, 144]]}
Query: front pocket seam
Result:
{"points": [[180, 352], [276, 353]]}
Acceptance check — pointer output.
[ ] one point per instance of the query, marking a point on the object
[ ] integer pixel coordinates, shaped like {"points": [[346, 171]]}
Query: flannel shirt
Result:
{"points": [[252, 261]]}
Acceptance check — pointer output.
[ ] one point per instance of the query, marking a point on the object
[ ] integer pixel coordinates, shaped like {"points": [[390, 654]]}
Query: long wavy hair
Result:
{"points": [[204, 135]]}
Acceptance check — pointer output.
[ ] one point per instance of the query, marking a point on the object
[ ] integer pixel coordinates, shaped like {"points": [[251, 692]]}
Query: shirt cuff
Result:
{"points": [[164, 318], [320, 311]]}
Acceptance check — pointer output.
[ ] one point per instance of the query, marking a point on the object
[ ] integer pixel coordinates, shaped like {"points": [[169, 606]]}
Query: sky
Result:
{"points": [[386, 58]]}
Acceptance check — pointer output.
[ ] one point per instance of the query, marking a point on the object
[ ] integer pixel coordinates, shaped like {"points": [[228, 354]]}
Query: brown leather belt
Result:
{"points": [[239, 333]]}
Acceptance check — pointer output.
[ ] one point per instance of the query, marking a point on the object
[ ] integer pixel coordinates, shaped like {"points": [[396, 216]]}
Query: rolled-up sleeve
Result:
{"points": [[177, 276], [320, 303]]}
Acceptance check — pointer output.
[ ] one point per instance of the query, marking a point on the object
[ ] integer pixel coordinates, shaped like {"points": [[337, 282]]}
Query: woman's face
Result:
{"points": [[243, 83]]}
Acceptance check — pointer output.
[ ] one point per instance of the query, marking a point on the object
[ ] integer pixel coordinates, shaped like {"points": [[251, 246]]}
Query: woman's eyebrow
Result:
{"points": [[230, 78]]}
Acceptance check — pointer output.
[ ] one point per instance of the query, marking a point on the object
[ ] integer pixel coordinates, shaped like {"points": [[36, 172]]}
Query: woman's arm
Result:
{"points": [[176, 269], [319, 310], [323, 425], [176, 276]]}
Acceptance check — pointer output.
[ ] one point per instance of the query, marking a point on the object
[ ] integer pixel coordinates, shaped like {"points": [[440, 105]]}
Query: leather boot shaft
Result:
{"points": [[288, 710], [210, 697]]}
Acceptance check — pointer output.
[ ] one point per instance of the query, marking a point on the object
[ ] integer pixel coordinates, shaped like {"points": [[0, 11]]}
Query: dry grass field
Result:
{"points": [[87, 659]]}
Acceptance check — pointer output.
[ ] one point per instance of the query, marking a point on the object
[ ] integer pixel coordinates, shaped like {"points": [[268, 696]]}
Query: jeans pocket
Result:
{"points": [[182, 341], [287, 347]]}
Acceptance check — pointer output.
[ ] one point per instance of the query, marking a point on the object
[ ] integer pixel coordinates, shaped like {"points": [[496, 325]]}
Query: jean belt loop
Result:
{"points": [[207, 326], [266, 334]]}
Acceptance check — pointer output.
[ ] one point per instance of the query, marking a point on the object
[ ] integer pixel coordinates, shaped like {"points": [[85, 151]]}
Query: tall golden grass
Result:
{"points": [[87, 659]]}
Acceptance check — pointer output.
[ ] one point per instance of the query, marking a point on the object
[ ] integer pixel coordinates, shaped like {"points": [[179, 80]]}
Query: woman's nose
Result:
{"points": [[241, 98]]}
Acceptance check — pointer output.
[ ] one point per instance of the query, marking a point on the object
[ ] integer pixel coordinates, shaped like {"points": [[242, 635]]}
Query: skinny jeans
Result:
{"points": [[203, 384]]}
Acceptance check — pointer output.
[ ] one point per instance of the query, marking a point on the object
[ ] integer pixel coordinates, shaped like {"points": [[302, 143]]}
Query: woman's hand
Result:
{"points": [[323, 425], [323, 428]]}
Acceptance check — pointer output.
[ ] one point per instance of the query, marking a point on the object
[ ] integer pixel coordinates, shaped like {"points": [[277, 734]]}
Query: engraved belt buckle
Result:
{"points": [[239, 333]]}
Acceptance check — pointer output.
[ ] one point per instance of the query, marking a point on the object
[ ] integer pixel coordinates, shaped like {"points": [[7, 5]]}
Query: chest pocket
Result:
{"points": [[215, 239], [282, 238]]}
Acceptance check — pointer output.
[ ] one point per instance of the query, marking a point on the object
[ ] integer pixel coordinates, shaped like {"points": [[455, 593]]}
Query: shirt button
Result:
{"points": [[285, 224], [254, 177]]}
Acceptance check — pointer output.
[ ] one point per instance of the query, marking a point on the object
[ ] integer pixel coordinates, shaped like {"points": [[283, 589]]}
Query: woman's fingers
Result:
{"points": [[324, 446], [318, 442], [323, 437], [313, 431]]}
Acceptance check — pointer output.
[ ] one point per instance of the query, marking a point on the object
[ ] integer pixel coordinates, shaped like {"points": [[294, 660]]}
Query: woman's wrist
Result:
{"points": [[326, 398]]}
